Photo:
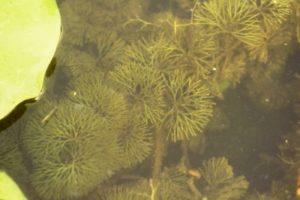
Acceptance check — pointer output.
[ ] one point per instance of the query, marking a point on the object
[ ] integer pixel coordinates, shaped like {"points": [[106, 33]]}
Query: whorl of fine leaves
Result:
{"points": [[189, 106], [223, 185], [235, 18], [143, 87], [90, 91], [135, 140], [195, 52], [273, 12], [70, 149], [155, 51]]}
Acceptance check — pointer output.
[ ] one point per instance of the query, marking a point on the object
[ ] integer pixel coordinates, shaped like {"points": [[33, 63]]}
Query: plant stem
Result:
{"points": [[194, 189], [185, 154], [158, 153]]}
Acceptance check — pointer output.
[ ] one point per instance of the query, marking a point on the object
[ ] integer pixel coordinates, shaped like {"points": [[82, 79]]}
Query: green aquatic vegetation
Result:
{"points": [[171, 185], [189, 106], [89, 45], [140, 83], [85, 21], [143, 87], [11, 158], [222, 184], [219, 183], [228, 70], [216, 171], [266, 84], [233, 18], [156, 51], [112, 16], [195, 52], [74, 24], [103, 55], [288, 160], [271, 71], [70, 149], [90, 91], [273, 13], [136, 141], [116, 12], [275, 41], [191, 48], [75, 61], [130, 191], [278, 191], [166, 22], [110, 50]]}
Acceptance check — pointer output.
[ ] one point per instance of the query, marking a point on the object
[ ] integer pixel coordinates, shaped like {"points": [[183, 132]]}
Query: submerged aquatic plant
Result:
{"points": [[233, 18], [140, 82], [84, 22], [222, 184], [143, 87], [156, 51], [11, 158], [103, 55], [71, 152], [189, 104], [216, 171], [273, 12], [74, 17], [75, 61], [195, 52], [171, 185], [135, 141], [92, 30], [110, 50], [278, 191], [112, 14], [91, 92], [227, 73], [130, 191], [276, 41]]}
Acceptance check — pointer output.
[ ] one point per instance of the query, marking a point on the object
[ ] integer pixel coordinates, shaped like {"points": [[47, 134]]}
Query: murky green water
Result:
{"points": [[164, 100]]}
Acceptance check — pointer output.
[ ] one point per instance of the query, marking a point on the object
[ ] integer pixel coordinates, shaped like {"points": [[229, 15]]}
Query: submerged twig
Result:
{"points": [[49, 115]]}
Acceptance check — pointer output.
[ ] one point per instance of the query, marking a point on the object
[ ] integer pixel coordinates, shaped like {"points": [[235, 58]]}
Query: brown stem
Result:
{"points": [[185, 154], [158, 153], [191, 184]]}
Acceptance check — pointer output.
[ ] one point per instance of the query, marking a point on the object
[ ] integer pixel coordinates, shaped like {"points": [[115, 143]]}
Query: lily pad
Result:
{"points": [[29, 34], [9, 190]]}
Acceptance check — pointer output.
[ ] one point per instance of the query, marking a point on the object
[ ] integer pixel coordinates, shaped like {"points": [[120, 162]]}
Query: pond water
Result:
{"points": [[164, 100]]}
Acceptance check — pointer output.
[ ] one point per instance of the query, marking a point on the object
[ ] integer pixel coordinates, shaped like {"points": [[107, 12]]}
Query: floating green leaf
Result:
{"points": [[29, 33], [8, 188]]}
